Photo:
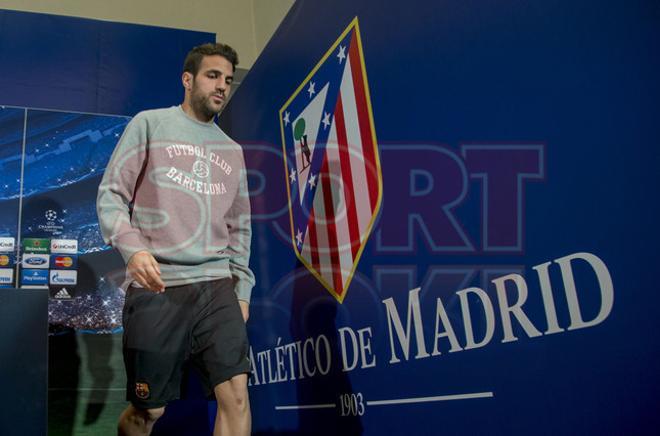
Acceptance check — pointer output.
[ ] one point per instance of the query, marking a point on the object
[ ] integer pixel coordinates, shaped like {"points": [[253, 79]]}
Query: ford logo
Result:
{"points": [[35, 261]]}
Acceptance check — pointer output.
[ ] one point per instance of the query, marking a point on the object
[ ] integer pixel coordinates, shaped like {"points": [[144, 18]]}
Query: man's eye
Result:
{"points": [[212, 76]]}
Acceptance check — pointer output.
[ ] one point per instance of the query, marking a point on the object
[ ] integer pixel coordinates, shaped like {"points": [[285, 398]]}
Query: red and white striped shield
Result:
{"points": [[331, 157]]}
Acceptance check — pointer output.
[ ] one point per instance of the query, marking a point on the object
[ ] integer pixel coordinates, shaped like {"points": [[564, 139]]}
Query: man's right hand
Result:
{"points": [[145, 270]]}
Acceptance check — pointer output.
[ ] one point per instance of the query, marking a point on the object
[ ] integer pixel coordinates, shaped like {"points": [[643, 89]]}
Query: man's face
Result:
{"points": [[210, 87]]}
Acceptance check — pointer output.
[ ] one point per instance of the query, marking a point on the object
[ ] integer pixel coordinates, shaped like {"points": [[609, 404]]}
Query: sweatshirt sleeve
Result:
{"points": [[117, 188], [240, 234]]}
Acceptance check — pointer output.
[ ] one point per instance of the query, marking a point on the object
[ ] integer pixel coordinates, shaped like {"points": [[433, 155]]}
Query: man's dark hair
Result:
{"points": [[195, 56]]}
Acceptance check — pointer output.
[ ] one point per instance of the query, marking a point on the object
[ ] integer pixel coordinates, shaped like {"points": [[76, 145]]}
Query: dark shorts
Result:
{"points": [[200, 325]]}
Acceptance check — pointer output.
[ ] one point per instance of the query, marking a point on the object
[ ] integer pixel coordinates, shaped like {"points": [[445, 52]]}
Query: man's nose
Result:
{"points": [[221, 85]]}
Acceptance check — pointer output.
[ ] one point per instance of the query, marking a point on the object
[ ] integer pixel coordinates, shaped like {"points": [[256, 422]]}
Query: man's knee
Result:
{"points": [[151, 415], [134, 420], [147, 416]]}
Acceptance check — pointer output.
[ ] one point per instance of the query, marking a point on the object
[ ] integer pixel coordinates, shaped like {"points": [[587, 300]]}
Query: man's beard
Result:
{"points": [[202, 105]]}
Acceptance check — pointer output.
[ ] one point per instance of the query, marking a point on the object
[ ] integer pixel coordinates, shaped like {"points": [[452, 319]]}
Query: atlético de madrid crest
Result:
{"points": [[332, 166]]}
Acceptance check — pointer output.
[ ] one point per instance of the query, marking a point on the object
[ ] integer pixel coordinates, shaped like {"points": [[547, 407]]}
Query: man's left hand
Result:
{"points": [[245, 309]]}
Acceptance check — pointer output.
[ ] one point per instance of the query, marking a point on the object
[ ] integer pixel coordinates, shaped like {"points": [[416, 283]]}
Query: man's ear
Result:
{"points": [[186, 80]]}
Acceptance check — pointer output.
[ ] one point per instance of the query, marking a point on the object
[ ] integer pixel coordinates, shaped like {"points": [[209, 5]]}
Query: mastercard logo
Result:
{"points": [[4, 260], [63, 261]]}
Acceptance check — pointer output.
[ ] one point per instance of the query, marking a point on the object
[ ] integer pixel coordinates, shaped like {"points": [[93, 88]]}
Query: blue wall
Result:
{"points": [[548, 105], [510, 134], [74, 64]]}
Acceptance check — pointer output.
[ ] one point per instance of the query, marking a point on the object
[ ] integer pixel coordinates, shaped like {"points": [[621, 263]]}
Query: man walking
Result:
{"points": [[174, 202]]}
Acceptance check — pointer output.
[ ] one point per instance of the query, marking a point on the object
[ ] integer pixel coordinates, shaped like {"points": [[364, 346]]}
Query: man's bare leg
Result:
{"points": [[233, 418], [138, 422]]}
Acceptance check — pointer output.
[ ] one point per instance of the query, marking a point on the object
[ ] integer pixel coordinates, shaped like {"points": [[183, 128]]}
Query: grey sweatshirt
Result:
{"points": [[177, 188]]}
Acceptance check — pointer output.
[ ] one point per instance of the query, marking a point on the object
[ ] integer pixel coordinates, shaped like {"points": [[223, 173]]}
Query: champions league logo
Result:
{"points": [[333, 175], [53, 224], [51, 216]]}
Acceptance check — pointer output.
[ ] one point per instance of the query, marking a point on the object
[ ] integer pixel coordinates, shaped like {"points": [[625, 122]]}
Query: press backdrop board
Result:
{"points": [[68, 87], [517, 147]]}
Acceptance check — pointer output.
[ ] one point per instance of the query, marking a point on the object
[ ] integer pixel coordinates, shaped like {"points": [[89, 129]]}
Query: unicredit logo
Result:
{"points": [[68, 246]]}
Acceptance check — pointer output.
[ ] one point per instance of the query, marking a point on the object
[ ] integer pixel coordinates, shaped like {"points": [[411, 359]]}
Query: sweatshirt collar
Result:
{"points": [[195, 120]]}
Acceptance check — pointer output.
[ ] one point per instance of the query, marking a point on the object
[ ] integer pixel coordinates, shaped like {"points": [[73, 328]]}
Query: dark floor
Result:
{"points": [[86, 384]]}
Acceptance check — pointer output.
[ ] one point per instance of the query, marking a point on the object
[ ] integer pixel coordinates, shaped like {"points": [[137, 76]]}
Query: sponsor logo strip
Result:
{"points": [[36, 245], [62, 293], [65, 246], [41, 261], [34, 277], [63, 261], [63, 277], [5, 260], [7, 245], [6, 276]]}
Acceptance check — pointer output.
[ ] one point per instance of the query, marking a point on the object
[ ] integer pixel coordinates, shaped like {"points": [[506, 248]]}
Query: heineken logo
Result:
{"points": [[35, 245]]}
